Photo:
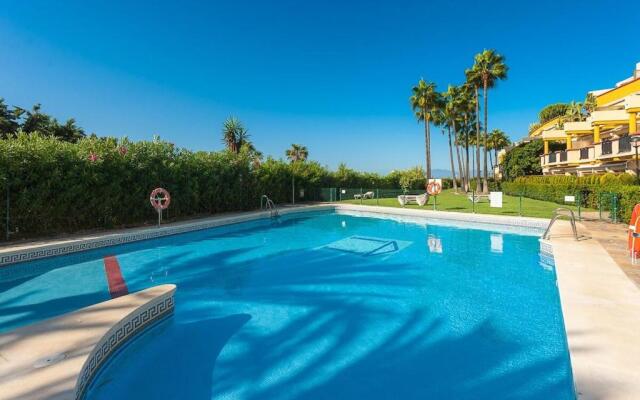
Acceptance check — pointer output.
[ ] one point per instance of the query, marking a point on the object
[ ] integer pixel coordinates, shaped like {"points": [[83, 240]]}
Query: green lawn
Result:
{"points": [[448, 200]]}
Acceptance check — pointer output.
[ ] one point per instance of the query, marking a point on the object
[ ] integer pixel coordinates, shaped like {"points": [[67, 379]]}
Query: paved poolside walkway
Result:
{"points": [[613, 237], [45, 361], [601, 308]]}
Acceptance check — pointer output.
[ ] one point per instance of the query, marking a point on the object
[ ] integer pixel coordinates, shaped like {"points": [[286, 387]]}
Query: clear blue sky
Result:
{"points": [[332, 75]]}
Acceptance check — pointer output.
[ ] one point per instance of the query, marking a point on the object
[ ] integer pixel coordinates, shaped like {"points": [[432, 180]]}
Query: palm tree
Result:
{"points": [[424, 101], [467, 106], [473, 79], [451, 113], [575, 112], [442, 118], [234, 135], [295, 154], [499, 141], [589, 103], [488, 69]]}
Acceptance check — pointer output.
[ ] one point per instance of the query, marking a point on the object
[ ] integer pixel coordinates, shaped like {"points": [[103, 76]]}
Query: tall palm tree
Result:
{"points": [[452, 114], [467, 106], [424, 101], [295, 154], [442, 118], [473, 79], [489, 68]]}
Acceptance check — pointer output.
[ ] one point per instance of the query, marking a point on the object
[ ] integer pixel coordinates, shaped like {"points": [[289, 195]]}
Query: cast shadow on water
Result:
{"points": [[177, 359], [348, 343]]}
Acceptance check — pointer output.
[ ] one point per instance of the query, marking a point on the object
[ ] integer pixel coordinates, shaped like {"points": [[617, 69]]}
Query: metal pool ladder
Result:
{"points": [[562, 212], [267, 204]]}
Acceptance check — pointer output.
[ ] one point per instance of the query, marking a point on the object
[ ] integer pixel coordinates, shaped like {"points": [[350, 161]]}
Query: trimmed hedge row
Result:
{"points": [[60, 187], [592, 190]]}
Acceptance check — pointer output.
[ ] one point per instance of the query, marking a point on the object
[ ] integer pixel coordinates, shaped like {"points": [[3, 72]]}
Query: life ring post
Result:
{"points": [[160, 200]]}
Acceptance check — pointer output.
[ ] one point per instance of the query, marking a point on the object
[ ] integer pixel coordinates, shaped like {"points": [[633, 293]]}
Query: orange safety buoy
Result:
{"points": [[160, 199], [434, 188], [635, 214]]}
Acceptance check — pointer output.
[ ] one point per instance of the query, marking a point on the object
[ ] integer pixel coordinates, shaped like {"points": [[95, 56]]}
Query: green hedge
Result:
{"points": [[60, 187], [55, 187], [593, 190]]}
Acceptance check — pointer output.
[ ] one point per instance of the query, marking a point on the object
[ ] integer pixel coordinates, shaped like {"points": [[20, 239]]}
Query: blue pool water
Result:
{"points": [[323, 306]]}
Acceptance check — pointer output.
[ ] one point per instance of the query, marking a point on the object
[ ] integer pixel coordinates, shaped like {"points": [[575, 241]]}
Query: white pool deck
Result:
{"points": [[601, 306]]}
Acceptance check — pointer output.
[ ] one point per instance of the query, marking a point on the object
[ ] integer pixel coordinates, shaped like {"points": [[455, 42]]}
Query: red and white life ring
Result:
{"points": [[160, 199], [434, 188]]}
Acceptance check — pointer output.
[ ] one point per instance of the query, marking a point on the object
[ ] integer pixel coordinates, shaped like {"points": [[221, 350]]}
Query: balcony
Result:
{"points": [[632, 102], [578, 127], [609, 117], [606, 151], [613, 148]]}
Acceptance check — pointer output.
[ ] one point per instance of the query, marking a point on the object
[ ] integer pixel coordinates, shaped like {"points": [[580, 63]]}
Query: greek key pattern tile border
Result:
{"points": [[118, 335], [34, 254]]}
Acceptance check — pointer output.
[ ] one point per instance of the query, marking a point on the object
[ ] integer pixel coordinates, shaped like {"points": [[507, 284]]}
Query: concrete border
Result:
{"points": [[59, 357], [601, 311], [51, 248]]}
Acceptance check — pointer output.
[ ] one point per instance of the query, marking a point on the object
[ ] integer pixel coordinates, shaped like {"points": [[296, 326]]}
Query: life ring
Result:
{"points": [[434, 188], [635, 214], [160, 199]]}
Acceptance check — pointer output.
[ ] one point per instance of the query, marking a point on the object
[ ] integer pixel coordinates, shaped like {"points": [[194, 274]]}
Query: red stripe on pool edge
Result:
{"points": [[117, 287]]}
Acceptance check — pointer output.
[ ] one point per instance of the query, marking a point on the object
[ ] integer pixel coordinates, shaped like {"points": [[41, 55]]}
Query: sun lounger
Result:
{"points": [[364, 196], [478, 197], [420, 199]]}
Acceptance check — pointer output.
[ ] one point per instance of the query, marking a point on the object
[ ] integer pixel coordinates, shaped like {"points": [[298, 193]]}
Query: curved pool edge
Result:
{"points": [[58, 358]]}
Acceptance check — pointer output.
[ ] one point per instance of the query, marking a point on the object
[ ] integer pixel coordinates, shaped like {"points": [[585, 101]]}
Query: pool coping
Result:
{"points": [[601, 312], [55, 247], [58, 358]]}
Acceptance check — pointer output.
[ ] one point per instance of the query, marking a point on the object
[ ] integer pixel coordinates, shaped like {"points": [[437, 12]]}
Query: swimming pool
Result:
{"points": [[323, 305]]}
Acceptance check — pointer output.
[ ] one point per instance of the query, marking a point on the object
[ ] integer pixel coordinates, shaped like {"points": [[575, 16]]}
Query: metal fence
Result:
{"points": [[606, 207]]}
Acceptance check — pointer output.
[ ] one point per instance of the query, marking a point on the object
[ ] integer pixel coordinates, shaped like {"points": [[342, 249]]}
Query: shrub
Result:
{"points": [[592, 190], [61, 187]]}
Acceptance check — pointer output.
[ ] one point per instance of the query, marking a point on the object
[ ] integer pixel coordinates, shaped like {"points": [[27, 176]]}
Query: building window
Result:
{"points": [[584, 153], [606, 147], [624, 144]]}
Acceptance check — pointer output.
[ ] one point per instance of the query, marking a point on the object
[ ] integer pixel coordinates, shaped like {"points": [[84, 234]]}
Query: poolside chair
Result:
{"points": [[478, 197], [420, 199], [364, 196]]}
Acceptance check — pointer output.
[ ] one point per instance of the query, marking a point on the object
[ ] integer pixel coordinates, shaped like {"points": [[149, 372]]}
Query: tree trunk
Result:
{"points": [[485, 180], [293, 189], [460, 168], [491, 161], [427, 141], [466, 146], [477, 163], [453, 170]]}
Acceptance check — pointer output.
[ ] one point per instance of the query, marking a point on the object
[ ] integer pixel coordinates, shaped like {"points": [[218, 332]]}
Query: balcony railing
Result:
{"points": [[605, 150], [624, 144], [584, 153]]}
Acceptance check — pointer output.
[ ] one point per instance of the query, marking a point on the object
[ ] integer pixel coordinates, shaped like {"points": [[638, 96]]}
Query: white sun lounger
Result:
{"points": [[367, 195], [420, 199]]}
